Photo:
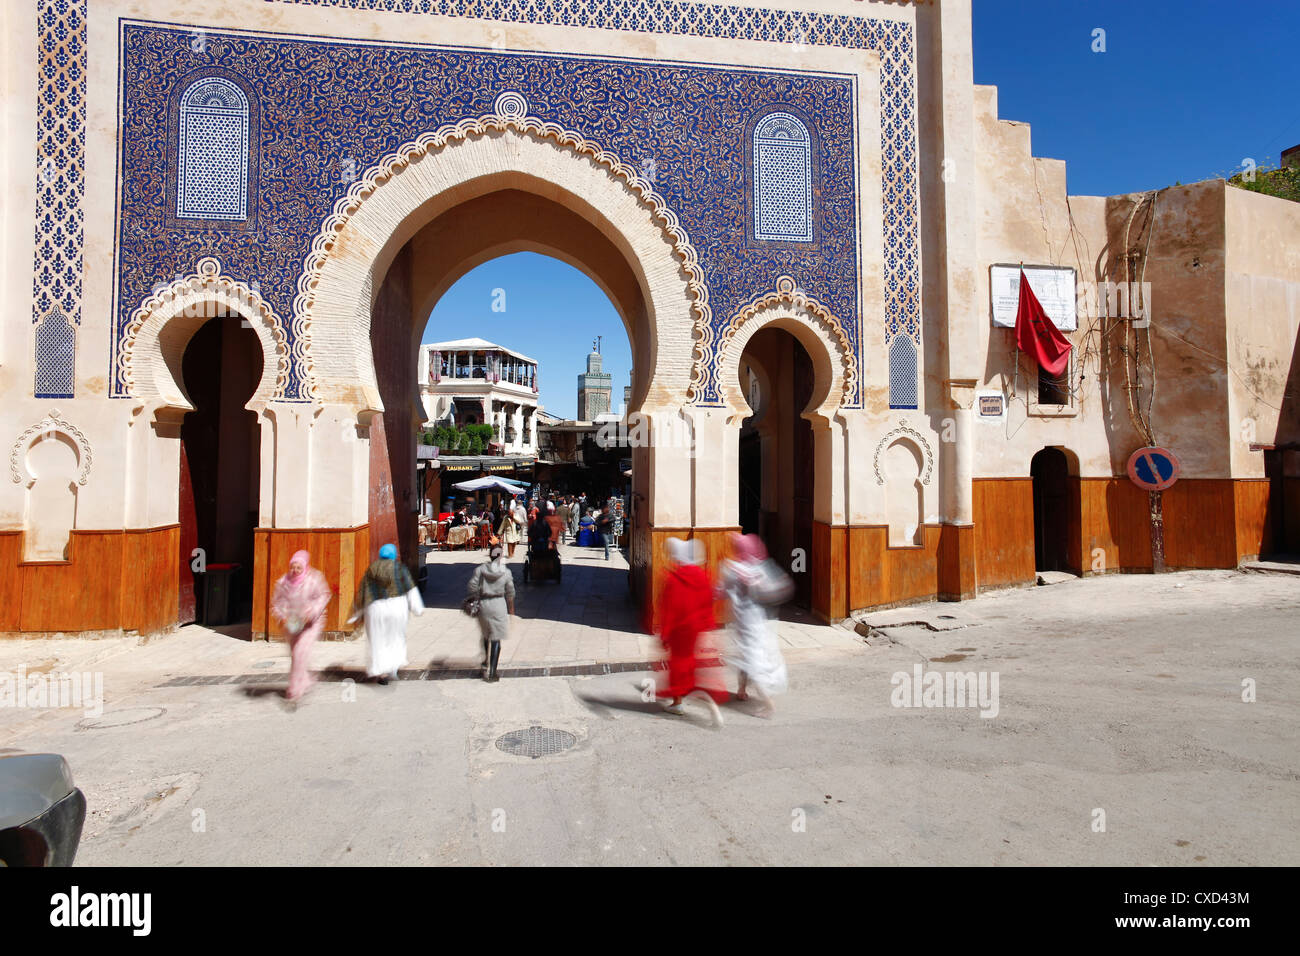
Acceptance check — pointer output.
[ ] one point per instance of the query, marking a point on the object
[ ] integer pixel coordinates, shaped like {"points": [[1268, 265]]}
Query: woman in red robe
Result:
{"points": [[686, 612]]}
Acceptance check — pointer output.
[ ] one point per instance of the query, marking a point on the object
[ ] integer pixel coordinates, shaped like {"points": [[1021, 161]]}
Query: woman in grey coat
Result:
{"points": [[493, 586]]}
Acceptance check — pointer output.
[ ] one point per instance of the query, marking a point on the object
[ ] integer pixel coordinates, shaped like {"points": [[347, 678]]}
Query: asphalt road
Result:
{"points": [[1120, 702]]}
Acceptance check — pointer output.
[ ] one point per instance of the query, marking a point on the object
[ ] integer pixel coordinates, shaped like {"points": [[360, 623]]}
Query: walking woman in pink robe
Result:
{"points": [[300, 599]]}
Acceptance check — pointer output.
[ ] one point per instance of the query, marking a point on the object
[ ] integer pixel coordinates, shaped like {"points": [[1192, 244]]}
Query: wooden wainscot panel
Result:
{"points": [[867, 565], [1116, 521], [913, 572], [1004, 531], [956, 570], [80, 594], [1251, 507], [829, 569], [1200, 524], [261, 583], [11, 581], [150, 579]]}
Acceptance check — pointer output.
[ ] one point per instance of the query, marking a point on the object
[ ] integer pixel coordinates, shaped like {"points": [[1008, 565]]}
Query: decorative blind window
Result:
{"points": [[902, 373], [782, 179], [212, 175], [56, 353]]}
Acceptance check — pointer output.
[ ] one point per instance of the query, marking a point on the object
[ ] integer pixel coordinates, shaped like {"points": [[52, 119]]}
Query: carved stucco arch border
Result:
{"points": [[786, 302], [50, 423], [904, 431], [510, 116], [151, 374]]}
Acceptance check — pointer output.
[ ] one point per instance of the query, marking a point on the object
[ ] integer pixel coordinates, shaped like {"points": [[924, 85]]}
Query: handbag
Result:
{"points": [[470, 606], [774, 587]]}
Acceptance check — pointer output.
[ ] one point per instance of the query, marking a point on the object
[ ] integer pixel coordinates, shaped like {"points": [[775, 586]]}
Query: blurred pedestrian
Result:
{"points": [[555, 524], [509, 531], [563, 513], [387, 596], [686, 612], [493, 587], [299, 601], [753, 587], [605, 528]]}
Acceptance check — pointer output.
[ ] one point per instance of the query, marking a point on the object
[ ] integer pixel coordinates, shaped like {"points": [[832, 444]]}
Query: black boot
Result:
{"points": [[496, 656]]}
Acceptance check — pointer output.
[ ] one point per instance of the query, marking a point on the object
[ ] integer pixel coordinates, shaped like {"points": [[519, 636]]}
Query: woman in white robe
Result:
{"points": [[387, 596], [756, 651]]}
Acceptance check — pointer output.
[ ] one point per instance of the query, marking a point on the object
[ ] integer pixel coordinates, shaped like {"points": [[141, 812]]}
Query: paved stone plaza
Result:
{"points": [[1138, 712]]}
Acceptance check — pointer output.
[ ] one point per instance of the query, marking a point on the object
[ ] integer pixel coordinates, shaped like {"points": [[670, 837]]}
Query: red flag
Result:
{"points": [[1037, 335]]}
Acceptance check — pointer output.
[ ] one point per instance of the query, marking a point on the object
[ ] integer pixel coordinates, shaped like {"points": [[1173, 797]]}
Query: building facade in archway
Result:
{"points": [[326, 169]]}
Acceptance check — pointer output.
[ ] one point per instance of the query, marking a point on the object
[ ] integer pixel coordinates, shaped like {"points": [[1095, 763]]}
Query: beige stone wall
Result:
{"points": [[1263, 322]]}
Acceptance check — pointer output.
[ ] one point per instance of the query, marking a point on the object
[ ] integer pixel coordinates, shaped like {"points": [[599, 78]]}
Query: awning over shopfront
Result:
{"points": [[457, 464]]}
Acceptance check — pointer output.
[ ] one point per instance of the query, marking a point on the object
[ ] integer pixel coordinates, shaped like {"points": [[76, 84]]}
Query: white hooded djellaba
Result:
{"points": [[745, 581], [387, 596]]}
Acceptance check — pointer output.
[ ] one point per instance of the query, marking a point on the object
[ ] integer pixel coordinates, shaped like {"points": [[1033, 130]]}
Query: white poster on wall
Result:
{"points": [[1054, 287]]}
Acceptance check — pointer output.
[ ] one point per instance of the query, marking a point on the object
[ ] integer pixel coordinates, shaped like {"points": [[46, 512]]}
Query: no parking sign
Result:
{"points": [[1153, 468]]}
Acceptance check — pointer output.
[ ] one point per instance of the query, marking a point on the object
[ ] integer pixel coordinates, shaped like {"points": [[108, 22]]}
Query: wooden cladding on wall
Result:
{"points": [[1004, 531], [880, 575], [341, 554], [1207, 521], [112, 580], [829, 563]]}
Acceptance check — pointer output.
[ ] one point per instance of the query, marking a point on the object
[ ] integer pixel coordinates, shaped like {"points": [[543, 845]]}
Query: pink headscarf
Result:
{"points": [[295, 581], [747, 548]]}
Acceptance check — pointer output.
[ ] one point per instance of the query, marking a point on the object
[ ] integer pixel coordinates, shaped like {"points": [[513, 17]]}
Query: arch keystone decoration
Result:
{"points": [[47, 425], [201, 295], [510, 116], [787, 300]]}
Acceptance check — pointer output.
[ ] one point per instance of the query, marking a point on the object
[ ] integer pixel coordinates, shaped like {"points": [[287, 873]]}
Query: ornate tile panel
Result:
{"points": [[331, 109], [60, 185], [893, 40]]}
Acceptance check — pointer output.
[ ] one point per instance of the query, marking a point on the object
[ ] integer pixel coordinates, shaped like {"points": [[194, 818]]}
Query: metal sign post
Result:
{"points": [[1154, 469]]}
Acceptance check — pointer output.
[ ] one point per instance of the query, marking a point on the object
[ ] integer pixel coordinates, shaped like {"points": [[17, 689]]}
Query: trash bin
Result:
{"points": [[216, 594]]}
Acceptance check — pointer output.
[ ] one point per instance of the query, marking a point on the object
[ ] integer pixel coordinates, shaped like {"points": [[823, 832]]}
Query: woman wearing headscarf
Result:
{"points": [[508, 532], [686, 612], [757, 655], [493, 586], [299, 601], [386, 596]]}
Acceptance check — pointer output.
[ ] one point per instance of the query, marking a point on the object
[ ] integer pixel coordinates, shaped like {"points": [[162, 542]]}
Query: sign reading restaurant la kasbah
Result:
{"points": [[1054, 286]]}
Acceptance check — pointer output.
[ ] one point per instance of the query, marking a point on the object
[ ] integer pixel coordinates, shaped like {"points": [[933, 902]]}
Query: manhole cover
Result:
{"points": [[947, 617], [536, 742], [120, 718]]}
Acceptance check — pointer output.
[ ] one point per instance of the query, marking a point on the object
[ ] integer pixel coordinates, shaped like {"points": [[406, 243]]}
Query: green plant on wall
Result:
{"points": [[1280, 181], [470, 440]]}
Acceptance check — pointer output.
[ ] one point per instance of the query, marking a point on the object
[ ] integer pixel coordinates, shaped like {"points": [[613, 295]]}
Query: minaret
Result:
{"points": [[594, 387]]}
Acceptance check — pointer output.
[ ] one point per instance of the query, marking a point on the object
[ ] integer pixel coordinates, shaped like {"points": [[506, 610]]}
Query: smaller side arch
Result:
{"points": [[52, 425], [164, 323], [816, 328]]}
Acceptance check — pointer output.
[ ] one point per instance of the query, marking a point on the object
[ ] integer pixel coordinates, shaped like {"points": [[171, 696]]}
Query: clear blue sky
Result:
{"points": [[552, 312], [1185, 90]]}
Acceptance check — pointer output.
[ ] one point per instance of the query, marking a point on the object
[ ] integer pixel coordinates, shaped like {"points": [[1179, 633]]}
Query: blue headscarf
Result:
{"points": [[388, 551]]}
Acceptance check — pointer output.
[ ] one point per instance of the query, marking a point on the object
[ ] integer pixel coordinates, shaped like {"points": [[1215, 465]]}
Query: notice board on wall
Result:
{"points": [[1055, 287]]}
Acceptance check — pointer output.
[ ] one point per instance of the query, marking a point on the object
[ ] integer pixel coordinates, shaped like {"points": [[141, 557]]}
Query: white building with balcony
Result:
{"points": [[474, 382]]}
